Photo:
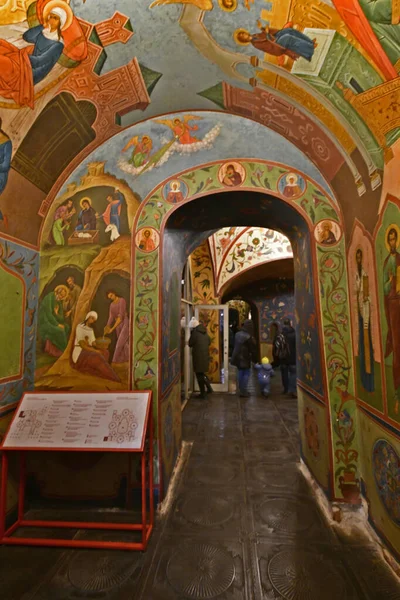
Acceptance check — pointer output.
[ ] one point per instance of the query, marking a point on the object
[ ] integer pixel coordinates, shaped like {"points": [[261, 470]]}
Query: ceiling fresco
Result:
{"points": [[237, 249], [75, 73]]}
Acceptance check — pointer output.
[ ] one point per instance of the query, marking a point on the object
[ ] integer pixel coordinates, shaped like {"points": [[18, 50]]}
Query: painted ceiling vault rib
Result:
{"points": [[237, 249]]}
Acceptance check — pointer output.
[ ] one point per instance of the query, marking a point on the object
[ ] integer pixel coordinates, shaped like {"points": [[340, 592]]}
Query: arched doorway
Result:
{"points": [[312, 222]]}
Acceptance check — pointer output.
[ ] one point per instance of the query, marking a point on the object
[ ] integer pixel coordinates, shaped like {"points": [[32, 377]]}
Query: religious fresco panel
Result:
{"points": [[365, 319], [387, 240], [84, 325]]}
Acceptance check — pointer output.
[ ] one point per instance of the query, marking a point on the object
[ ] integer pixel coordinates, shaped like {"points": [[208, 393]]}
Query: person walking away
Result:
{"points": [[288, 360], [274, 332], [244, 351], [199, 342], [264, 374]]}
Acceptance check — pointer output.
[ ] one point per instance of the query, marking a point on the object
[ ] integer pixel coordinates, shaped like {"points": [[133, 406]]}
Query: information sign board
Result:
{"points": [[82, 421]]}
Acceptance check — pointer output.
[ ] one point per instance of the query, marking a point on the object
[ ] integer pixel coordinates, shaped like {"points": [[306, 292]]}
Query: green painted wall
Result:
{"points": [[12, 325]]}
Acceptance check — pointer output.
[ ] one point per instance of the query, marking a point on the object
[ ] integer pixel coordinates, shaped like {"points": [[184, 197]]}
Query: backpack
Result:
{"points": [[282, 349]]}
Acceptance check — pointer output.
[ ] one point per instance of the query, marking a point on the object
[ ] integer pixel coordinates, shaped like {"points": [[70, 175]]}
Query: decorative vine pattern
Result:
{"points": [[335, 311]]}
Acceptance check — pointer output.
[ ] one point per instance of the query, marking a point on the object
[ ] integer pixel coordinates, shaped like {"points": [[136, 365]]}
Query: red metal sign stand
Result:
{"points": [[145, 527]]}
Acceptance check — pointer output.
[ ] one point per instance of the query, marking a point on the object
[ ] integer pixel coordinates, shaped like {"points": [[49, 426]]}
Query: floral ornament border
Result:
{"points": [[333, 287], [25, 263]]}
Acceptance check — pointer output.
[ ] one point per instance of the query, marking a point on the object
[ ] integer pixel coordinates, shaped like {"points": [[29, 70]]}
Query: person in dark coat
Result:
{"points": [[199, 342], [274, 332], [288, 364], [244, 351]]}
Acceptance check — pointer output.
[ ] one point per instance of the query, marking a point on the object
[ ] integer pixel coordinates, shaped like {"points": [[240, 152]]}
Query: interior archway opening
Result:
{"points": [[185, 234]]}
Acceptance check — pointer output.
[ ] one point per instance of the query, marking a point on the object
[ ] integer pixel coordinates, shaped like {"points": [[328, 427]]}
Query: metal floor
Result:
{"points": [[243, 526]]}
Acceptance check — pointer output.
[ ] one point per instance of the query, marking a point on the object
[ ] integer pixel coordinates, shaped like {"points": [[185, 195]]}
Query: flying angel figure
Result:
{"points": [[141, 150], [181, 128]]}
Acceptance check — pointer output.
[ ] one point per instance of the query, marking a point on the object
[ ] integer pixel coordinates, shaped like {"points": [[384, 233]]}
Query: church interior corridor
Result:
{"points": [[243, 524]]}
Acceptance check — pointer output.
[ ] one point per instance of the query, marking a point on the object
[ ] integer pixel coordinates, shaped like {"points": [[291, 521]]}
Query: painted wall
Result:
{"points": [[19, 273], [380, 447], [275, 303], [314, 437]]}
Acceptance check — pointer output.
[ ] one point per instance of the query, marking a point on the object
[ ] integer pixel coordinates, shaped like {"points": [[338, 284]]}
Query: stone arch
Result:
{"points": [[319, 224]]}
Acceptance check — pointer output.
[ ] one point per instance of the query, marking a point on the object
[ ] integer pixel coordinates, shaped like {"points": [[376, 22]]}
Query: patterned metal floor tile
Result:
{"points": [[273, 450], [216, 430], [22, 569], [287, 516], [298, 572], [223, 448], [264, 430], [228, 415], [209, 472], [217, 512], [105, 574], [199, 569], [266, 476], [244, 526]]}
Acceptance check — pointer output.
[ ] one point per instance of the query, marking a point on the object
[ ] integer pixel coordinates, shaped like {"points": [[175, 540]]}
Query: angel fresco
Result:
{"points": [[146, 155], [181, 128], [279, 42], [57, 32], [142, 147]]}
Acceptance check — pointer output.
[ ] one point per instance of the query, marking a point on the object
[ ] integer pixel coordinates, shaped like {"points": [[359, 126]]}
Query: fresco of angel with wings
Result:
{"points": [[181, 128], [150, 152]]}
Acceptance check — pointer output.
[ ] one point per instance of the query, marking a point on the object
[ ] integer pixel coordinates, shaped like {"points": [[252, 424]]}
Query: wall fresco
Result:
{"points": [[314, 437], [309, 348], [23, 264], [277, 305], [387, 240], [380, 447], [278, 40], [316, 83], [338, 357], [171, 418], [84, 309], [365, 318]]}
